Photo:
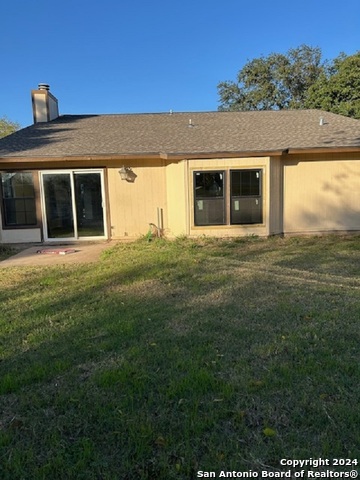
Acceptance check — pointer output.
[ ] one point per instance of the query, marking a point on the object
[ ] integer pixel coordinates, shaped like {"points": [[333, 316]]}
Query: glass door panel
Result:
{"points": [[58, 205], [73, 205], [89, 205]]}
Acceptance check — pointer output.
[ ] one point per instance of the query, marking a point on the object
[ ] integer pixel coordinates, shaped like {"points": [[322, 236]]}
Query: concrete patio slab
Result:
{"points": [[80, 253]]}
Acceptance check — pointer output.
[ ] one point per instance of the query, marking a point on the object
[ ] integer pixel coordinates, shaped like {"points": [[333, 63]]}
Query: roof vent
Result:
{"points": [[322, 121], [44, 86]]}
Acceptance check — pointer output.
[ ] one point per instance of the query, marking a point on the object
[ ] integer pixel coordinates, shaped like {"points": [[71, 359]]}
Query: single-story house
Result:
{"points": [[86, 177]]}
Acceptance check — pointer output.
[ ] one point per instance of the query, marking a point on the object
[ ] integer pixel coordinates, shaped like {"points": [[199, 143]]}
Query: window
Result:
{"points": [[243, 204], [18, 199], [209, 198], [246, 201]]}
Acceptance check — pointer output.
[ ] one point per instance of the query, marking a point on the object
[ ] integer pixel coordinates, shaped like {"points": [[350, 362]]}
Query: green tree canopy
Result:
{"points": [[7, 127], [297, 79], [338, 88]]}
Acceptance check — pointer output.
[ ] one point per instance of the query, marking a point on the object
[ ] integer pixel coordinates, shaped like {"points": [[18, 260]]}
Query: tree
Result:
{"points": [[338, 88], [274, 82], [7, 127]]}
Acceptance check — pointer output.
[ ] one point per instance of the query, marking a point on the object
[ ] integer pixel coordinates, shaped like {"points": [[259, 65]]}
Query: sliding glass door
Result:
{"points": [[73, 205], [89, 204]]}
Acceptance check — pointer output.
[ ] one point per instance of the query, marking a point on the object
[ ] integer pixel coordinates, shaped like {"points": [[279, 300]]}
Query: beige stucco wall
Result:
{"points": [[227, 164], [177, 198], [133, 205], [169, 185], [322, 193]]}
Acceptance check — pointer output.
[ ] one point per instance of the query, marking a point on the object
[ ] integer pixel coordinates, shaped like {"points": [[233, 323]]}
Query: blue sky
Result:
{"points": [[117, 56]]}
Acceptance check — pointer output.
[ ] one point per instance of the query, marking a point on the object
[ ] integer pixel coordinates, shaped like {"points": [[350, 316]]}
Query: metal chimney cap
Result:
{"points": [[44, 86]]}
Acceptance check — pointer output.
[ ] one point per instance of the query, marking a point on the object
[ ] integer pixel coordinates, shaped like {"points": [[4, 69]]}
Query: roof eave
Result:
{"points": [[81, 158], [335, 149], [139, 156], [222, 154], [175, 155]]}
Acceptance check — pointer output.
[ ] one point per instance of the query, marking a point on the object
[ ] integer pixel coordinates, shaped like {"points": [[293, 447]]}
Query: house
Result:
{"points": [[86, 177]]}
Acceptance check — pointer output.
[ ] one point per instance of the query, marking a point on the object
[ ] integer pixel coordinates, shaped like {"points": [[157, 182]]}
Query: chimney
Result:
{"points": [[44, 104]]}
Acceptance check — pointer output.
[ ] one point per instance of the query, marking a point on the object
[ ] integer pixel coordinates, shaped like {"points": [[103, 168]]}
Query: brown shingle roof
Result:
{"points": [[170, 134]]}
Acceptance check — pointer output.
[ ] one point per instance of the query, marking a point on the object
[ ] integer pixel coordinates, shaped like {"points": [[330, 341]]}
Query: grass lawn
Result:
{"points": [[169, 358]]}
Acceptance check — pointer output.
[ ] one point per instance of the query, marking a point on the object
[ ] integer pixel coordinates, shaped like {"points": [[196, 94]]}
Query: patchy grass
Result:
{"points": [[167, 358]]}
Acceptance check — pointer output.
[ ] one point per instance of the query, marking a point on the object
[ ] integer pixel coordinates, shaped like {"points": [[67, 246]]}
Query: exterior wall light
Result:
{"points": [[126, 174]]}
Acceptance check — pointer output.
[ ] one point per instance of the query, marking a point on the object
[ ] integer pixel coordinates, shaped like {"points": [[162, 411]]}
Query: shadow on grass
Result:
{"points": [[331, 254], [6, 252]]}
